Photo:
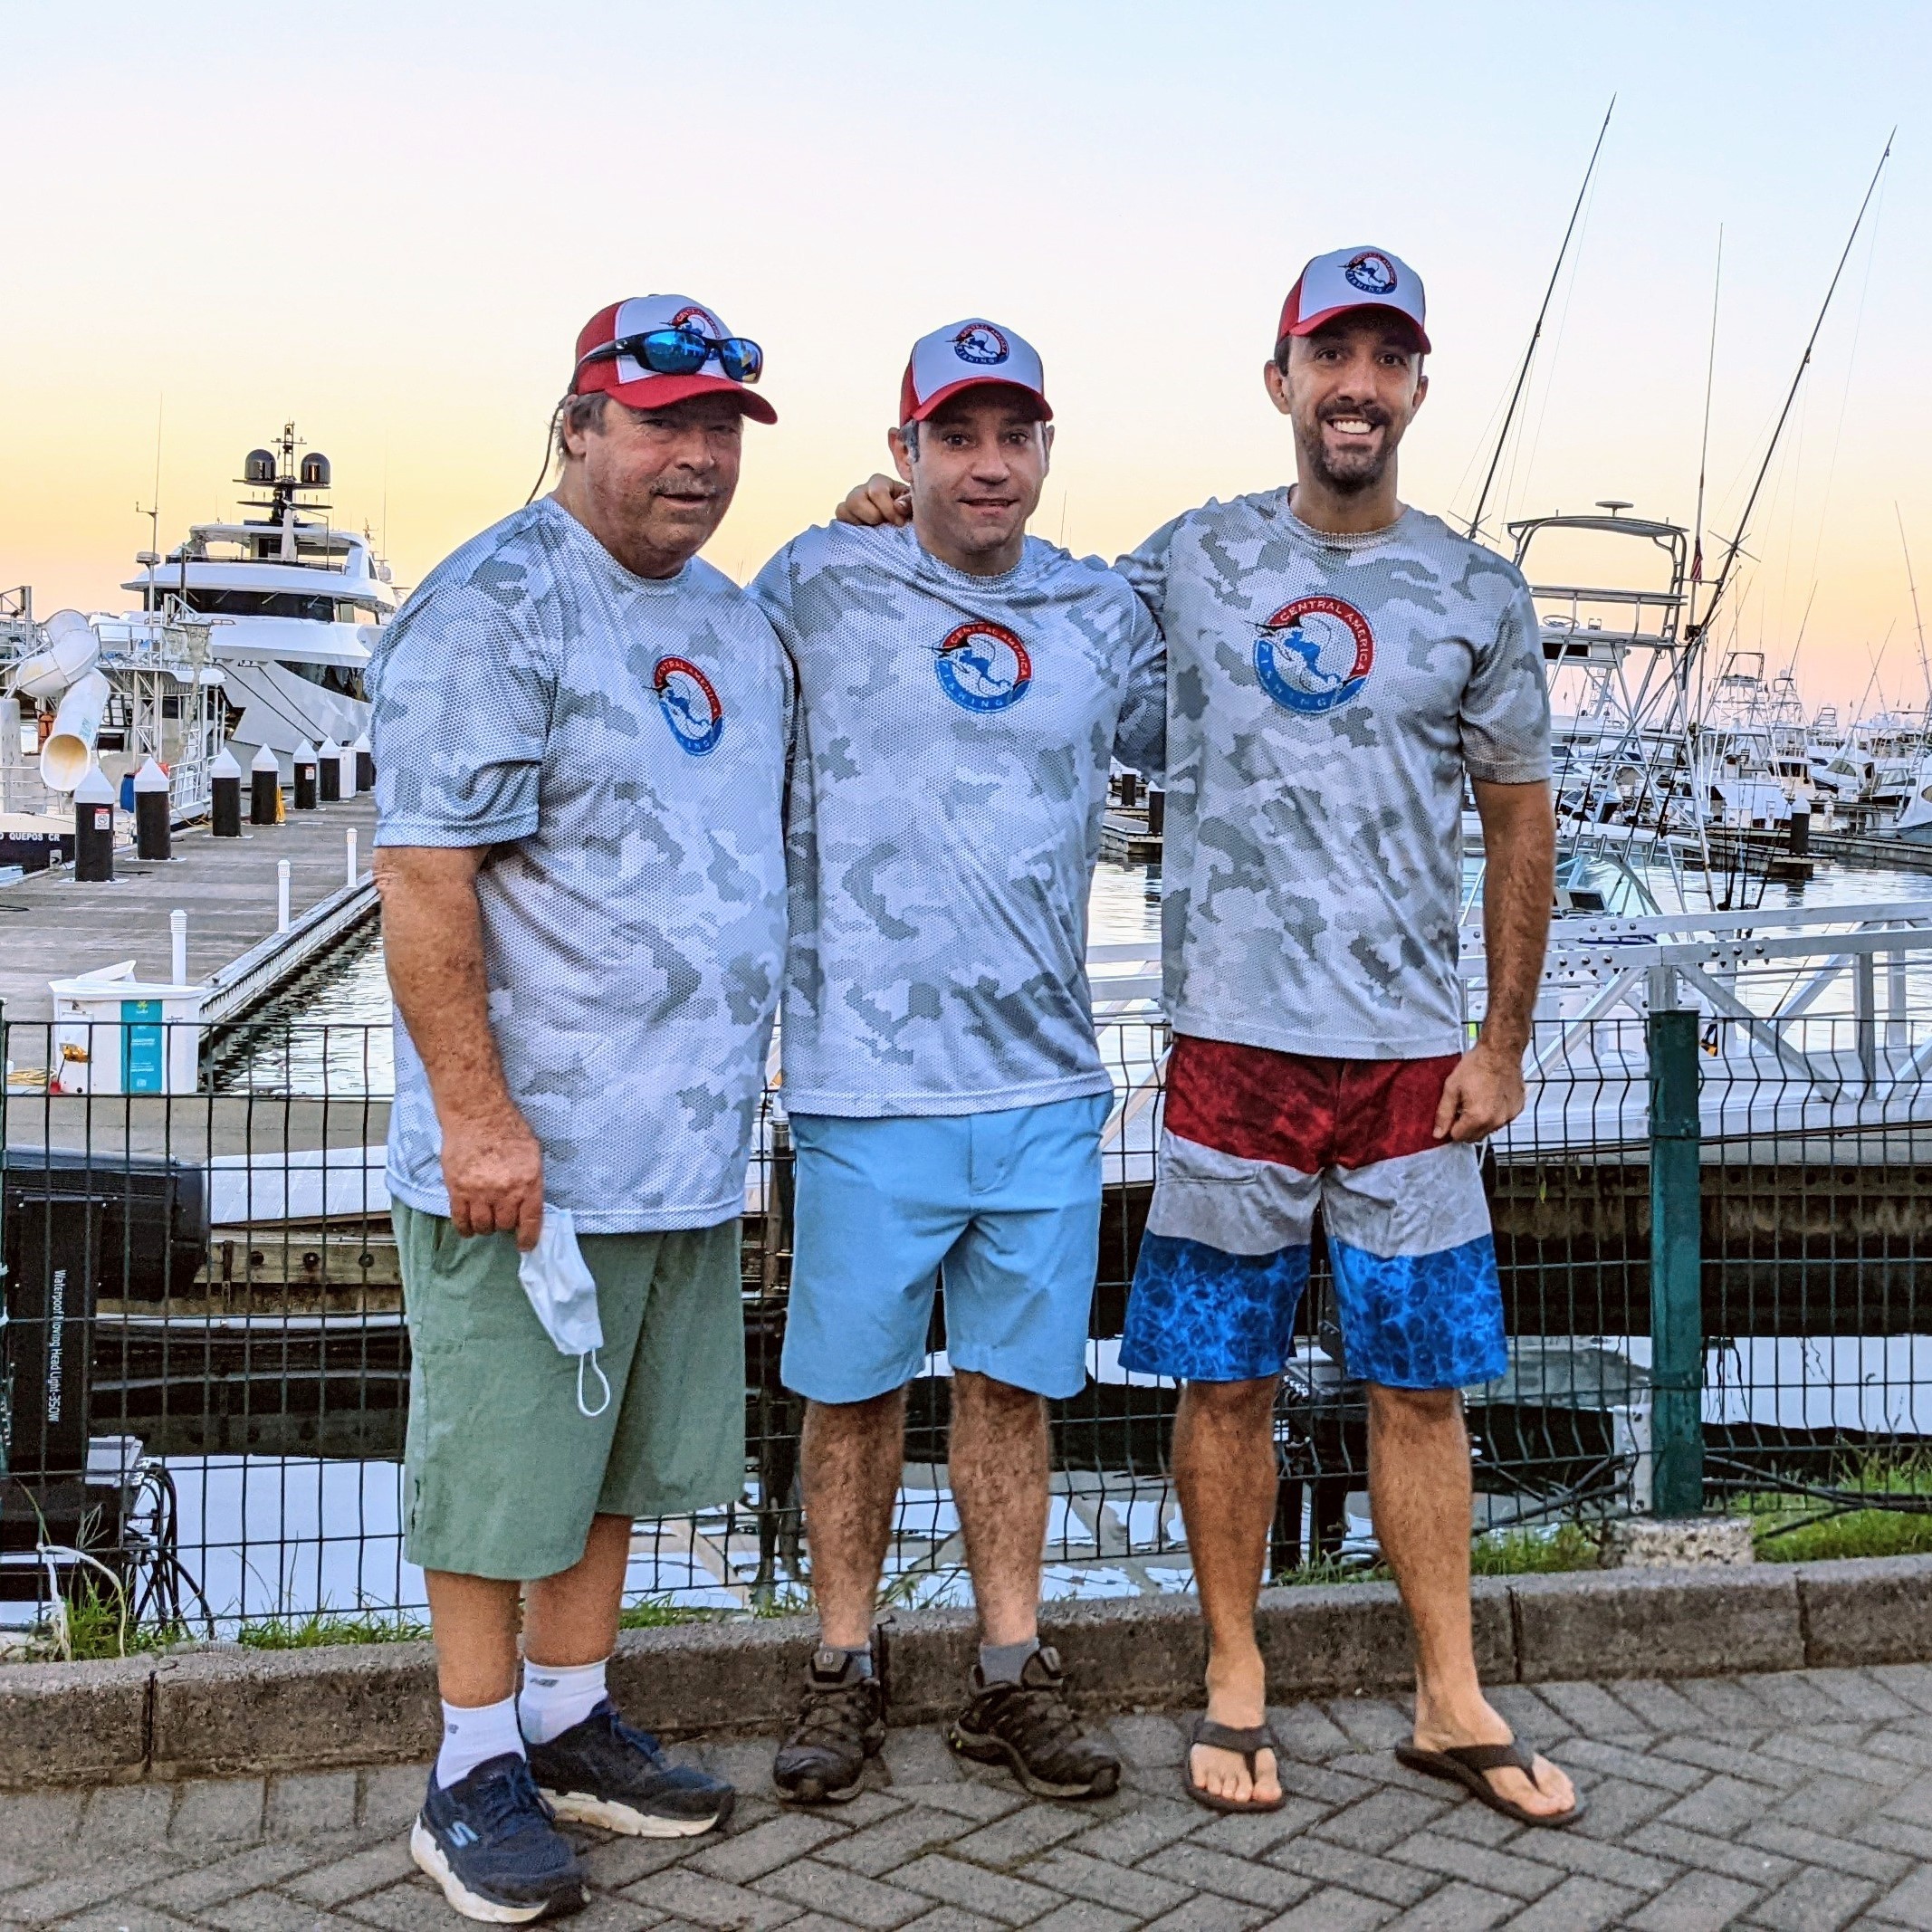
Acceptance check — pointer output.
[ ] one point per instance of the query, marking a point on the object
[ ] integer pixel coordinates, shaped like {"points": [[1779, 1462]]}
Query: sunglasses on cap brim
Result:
{"points": [[684, 352]]}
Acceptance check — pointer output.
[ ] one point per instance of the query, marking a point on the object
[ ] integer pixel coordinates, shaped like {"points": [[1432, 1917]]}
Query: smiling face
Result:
{"points": [[1350, 389], [652, 485], [977, 468]]}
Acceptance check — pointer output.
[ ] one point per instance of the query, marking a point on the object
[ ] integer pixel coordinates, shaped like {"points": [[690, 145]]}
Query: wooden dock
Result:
{"points": [[51, 928]]}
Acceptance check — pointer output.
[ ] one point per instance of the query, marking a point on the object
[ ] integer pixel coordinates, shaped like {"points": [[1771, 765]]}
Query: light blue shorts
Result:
{"points": [[1005, 1206]]}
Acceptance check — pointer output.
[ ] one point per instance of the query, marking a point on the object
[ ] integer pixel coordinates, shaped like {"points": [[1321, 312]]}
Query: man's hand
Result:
{"points": [[879, 500], [1484, 1092], [493, 1168]]}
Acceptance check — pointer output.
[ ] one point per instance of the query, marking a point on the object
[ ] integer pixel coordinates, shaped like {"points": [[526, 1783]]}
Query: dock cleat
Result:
{"points": [[1031, 1727], [492, 1843], [841, 1723], [604, 1773]]}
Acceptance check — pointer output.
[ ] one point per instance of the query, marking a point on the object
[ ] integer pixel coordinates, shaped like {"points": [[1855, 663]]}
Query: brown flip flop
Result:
{"points": [[1245, 1743], [1465, 1765]]}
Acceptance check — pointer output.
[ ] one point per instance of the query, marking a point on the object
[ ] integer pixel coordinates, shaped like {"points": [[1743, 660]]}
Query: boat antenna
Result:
{"points": [[1516, 397], [1917, 621], [1710, 376], [1735, 544]]}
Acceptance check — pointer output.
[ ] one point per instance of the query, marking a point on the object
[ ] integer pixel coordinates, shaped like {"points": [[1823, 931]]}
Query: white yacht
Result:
{"points": [[292, 604]]}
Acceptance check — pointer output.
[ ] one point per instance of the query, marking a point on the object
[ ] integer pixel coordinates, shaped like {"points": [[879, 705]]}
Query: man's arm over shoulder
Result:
{"points": [[1145, 569], [1140, 739]]}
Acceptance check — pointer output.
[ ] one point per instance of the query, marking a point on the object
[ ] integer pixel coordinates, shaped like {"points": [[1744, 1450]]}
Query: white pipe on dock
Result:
{"points": [[282, 896], [350, 878], [177, 938], [69, 752]]}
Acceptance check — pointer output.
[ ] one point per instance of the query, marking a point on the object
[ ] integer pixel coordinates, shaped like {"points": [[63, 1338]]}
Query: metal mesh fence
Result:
{"points": [[206, 1382]]}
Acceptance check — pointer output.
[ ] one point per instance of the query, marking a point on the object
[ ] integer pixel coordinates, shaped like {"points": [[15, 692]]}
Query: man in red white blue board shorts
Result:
{"points": [[1338, 664]]}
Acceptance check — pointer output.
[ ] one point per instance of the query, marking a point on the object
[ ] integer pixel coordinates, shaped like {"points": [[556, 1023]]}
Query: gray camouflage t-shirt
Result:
{"points": [[954, 737], [1327, 695], [621, 742]]}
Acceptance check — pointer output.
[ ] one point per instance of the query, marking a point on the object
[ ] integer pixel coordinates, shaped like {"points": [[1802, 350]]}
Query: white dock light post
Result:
{"points": [[177, 947], [153, 810], [329, 771], [224, 787], [282, 896], [93, 830], [264, 787], [305, 781], [364, 762], [351, 880]]}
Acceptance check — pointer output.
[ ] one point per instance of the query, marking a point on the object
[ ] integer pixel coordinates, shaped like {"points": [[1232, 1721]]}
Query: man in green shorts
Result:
{"points": [[581, 743]]}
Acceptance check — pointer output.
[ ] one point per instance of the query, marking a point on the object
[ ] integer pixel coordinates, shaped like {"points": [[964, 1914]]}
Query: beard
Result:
{"points": [[1360, 471]]}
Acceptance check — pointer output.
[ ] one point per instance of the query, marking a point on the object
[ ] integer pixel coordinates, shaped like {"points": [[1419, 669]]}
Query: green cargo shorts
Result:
{"points": [[502, 1471]]}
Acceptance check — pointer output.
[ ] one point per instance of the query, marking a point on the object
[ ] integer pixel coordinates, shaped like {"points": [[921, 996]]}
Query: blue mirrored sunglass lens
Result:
{"points": [[742, 361], [674, 351]]}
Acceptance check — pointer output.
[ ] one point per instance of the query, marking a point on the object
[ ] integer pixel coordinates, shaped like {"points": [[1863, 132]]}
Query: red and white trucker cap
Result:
{"points": [[629, 381], [964, 356], [1353, 278]]}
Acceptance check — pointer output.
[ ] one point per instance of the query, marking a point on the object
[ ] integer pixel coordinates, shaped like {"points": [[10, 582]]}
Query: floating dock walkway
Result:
{"points": [[53, 928]]}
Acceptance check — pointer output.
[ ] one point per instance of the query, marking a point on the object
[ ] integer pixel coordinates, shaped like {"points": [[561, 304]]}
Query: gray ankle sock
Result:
{"points": [[1001, 1663]]}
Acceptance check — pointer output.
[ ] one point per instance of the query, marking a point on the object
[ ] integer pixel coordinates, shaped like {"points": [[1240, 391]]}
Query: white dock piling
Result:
{"points": [[282, 896], [177, 954], [350, 878]]}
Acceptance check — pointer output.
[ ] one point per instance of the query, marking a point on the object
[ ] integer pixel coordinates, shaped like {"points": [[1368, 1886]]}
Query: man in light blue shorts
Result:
{"points": [[962, 688]]}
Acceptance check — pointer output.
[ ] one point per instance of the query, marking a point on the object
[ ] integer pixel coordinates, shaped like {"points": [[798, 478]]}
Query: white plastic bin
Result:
{"points": [[115, 1034]]}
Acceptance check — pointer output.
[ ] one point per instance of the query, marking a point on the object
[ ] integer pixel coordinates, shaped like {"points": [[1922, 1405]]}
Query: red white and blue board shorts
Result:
{"points": [[1253, 1142]]}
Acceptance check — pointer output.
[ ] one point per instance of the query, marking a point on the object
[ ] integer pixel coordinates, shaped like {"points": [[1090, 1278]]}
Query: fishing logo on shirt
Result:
{"points": [[690, 705], [984, 666], [1315, 654]]}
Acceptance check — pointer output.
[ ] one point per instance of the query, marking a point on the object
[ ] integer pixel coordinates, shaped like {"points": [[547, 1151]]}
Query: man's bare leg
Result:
{"points": [[573, 1619], [999, 1474], [849, 1462], [1420, 1492], [1224, 1468]]}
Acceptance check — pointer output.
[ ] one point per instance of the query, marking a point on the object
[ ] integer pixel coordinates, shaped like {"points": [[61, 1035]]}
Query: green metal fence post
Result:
{"points": [[1677, 1309]]}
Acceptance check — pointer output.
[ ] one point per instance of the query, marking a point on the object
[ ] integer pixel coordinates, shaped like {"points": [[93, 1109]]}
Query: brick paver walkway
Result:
{"points": [[1787, 1802]]}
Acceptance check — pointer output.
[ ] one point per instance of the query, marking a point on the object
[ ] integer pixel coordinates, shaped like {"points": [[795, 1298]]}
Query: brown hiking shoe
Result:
{"points": [[841, 1723], [1031, 1726]]}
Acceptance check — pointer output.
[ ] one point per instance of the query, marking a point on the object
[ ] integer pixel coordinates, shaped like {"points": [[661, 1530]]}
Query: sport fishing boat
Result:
{"points": [[292, 604]]}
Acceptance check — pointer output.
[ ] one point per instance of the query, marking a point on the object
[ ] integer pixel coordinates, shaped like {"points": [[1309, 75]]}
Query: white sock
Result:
{"points": [[471, 1737], [556, 1696]]}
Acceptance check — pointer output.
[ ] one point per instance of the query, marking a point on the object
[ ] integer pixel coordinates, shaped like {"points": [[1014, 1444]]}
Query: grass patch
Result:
{"points": [[1500, 1553], [1531, 1553], [312, 1632], [1806, 1537]]}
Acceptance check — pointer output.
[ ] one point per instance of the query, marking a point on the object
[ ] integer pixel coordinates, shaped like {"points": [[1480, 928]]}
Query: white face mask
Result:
{"points": [[564, 1297]]}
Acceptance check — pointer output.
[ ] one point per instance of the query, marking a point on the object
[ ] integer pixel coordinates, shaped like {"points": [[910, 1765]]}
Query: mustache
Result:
{"points": [[1372, 414], [683, 486]]}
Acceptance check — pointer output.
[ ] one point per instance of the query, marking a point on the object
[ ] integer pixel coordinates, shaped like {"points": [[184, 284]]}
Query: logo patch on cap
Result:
{"points": [[984, 666], [1314, 655], [1372, 274], [690, 705], [701, 319], [981, 344]]}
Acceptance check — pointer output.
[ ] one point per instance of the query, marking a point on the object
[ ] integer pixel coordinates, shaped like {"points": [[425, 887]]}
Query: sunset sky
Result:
{"points": [[387, 222]]}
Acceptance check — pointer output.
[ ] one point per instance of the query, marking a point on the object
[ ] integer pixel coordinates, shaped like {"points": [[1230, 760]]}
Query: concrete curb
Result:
{"points": [[227, 1711]]}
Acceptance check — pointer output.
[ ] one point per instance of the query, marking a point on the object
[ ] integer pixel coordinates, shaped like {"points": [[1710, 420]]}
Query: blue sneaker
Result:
{"points": [[492, 1843], [601, 1772]]}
